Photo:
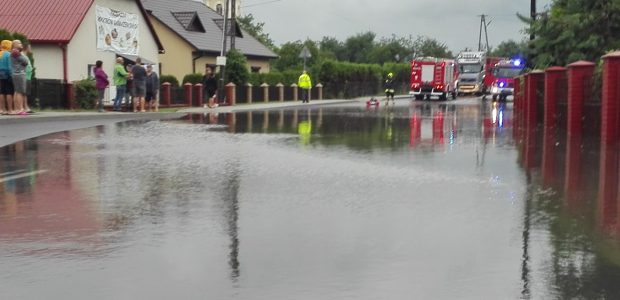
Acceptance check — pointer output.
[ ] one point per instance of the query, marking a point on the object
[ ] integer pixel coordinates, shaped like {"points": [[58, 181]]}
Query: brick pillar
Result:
{"points": [[533, 95], [231, 121], [319, 91], [199, 92], [265, 92], [249, 88], [70, 96], [187, 89], [280, 87], [553, 83], [553, 78], [610, 136], [280, 120], [231, 91], [165, 94], [607, 207], [516, 107], [265, 121], [250, 122], [610, 106], [295, 92], [522, 112], [579, 75], [295, 120]]}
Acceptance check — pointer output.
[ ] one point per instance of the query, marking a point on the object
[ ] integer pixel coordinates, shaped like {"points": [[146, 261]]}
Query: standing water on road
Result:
{"points": [[413, 201]]}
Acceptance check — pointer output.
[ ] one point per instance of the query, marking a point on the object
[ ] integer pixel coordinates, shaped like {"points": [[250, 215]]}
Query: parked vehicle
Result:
{"points": [[489, 76], [504, 73], [432, 77], [471, 68]]}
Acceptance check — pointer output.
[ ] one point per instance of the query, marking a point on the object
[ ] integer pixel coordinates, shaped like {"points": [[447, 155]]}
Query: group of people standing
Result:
{"points": [[15, 75], [134, 83]]}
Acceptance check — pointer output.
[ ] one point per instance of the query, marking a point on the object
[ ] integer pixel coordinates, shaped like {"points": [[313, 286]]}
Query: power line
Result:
{"points": [[260, 3]]}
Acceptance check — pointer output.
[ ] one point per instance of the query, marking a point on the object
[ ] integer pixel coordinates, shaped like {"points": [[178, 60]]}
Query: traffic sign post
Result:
{"points": [[305, 54]]}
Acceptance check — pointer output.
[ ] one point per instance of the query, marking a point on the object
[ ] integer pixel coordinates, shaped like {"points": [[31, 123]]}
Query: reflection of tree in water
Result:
{"points": [[583, 264]]}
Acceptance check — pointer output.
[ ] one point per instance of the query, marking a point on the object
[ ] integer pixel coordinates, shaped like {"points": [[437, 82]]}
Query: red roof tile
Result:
{"points": [[44, 21]]}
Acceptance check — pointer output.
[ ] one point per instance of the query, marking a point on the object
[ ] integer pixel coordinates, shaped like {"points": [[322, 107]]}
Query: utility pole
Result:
{"points": [[483, 25], [533, 16], [233, 22], [223, 54]]}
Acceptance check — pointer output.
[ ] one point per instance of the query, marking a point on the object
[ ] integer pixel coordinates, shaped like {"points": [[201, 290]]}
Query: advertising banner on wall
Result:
{"points": [[117, 31]]}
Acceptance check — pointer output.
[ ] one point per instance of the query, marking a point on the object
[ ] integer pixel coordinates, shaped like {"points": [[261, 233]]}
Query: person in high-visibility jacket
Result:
{"points": [[305, 84], [389, 87]]}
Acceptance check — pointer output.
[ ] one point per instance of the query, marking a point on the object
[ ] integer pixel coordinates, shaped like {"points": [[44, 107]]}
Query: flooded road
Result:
{"points": [[415, 201]]}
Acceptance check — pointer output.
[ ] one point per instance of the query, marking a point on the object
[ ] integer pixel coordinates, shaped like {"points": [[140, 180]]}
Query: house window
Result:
{"points": [[255, 69], [218, 9], [91, 71]]}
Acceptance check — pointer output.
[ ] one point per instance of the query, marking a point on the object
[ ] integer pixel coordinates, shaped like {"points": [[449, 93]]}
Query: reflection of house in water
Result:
{"points": [[45, 204]]}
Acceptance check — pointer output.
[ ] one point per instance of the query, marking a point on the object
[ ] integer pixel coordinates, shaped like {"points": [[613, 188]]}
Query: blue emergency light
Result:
{"points": [[517, 62]]}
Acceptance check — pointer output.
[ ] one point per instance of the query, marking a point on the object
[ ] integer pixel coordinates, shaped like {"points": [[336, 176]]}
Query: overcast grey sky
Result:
{"points": [[453, 22]]}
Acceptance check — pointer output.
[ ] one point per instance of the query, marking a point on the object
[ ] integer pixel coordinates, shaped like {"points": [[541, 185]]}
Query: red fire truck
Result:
{"points": [[504, 72], [489, 76], [433, 77]]}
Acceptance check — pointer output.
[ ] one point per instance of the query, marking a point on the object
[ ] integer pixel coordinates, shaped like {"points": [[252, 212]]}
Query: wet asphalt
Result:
{"points": [[17, 128]]}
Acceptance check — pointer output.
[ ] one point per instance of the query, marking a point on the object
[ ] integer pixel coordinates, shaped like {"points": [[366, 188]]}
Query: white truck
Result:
{"points": [[471, 66]]}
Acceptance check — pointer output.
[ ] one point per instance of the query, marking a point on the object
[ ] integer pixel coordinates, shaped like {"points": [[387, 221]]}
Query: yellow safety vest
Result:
{"points": [[304, 81]]}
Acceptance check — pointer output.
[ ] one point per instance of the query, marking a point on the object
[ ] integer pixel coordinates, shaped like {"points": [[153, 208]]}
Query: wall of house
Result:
{"points": [[177, 60], [210, 60], [264, 65], [202, 62], [48, 61], [82, 50]]}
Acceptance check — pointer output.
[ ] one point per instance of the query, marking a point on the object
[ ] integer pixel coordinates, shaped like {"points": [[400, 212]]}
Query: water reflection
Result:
{"points": [[313, 203], [574, 196]]}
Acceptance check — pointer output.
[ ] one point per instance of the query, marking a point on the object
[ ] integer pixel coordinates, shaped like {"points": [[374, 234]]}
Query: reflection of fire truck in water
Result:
{"points": [[504, 72], [432, 77], [432, 126]]}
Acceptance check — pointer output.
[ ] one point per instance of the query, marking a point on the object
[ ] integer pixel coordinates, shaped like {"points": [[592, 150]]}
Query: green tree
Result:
{"points": [[5, 35], [509, 48], [255, 29], [237, 67], [288, 55], [359, 47], [332, 48], [573, 30], [425, 46], [392, 49]]}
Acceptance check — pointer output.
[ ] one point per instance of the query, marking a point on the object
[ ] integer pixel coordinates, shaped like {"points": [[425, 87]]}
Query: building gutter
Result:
{"points": [[65, 63]]}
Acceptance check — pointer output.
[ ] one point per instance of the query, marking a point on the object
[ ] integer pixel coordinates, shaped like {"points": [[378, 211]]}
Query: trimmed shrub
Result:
{"points": [[236, 68], [170, 79], [85, 93], [194, 78]]}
